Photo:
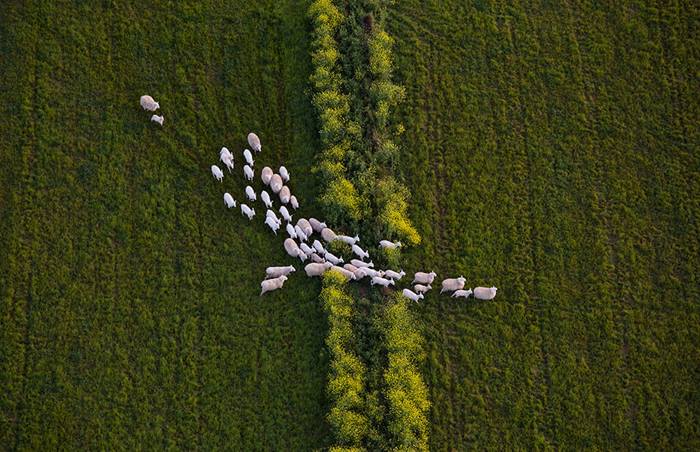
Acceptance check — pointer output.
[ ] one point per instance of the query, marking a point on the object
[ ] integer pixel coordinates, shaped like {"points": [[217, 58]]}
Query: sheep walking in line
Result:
{"points": [[300, 233], [452, 284], [254, 142], [485, 293], [318, 247], [359, 264], [461, 293], [274, 272], [271, 214], [424, 278], [293, 202], [265, 197], [217, 173], [306, 249], [248, 172], [291, 232], [248, 158], [328, 235], [305, 226], [346, 273], [408, 293], [394, 275], [250, 193], [317, 269], [226, 158], [420, 288], [266, 175], [317, 226], [332, 258], [359, 252], [285, 214], [269, 285], [147, 103], [284, 173], [387, 245], [284, 195], [229, 201], [276, 183], [382, 281], [247, 211], [349, 240], [272, 224]]}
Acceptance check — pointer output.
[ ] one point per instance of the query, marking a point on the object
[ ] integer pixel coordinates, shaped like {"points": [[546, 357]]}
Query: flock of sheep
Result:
{"points": [[310, 248]]}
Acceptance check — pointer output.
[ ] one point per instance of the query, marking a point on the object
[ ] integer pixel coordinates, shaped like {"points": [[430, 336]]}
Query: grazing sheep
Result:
{"points": [[272, 224], [420, 288], [254, 142], [452, 284], [248, 157], [350, 267], [147, 103], [274, 272], [291, 247], [265, 197], [266, 175], [229, 201], [386, 244], [485, 293], [217, 173], [359, 252], [300, 233], [328, 235], [290, 230], [276, 183], [284, 195], [347, 273], [248, 172], [408, 293], [302, 256], [250, 193], [284, 173], [349, 240], [226, 158], [316, 258], [330, 257], [229, 164], [424, 278], [461, 293], [293, 202], [285, 214], [382, 281], [317, 269], [158, 119], [318, 247], [305, 226], [358, 263], [269, 285], [271, 214], [247, 211], [306, 248], [318, 226], [393, 275]]}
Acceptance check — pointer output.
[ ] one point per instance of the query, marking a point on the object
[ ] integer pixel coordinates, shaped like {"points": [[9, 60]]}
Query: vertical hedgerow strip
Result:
{"points": [[346, 383], [406, 393], [338, 196]]}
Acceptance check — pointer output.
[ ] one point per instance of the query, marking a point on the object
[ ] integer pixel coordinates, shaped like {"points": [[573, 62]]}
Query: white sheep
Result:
{"points": [[394, 275], [272, 224], [318, 247], [158, 119], [306, 249], [408, 293], [254, 142], [226, 158], [420, 288], [317, 269], [452, 284], [276, 183], [285, 214], [274, 272], [349, 240], [229, 201], [248, 172], [424, 278], [300, 233], [359, 252], [271, 214], [330, 257], [305, 226], [265, 197], [266, 175], [302, 256], [291, 247], [284, 173], [293, 202], [291, 232], [358, 263], [485, 293], [386, 244], [360, 273], [217, 173], [248, 157], [461, 293], [350, 267], [316, 258], [147, 103], [328, 235], [247, 211], [250, 193], [348, 274], [269, 285], [317, 226], [372, 272], [382, 281], [284, 195]]}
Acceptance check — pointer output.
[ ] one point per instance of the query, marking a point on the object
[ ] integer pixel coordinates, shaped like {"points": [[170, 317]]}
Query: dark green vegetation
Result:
{"points": [[129, 308], [552, 150]]}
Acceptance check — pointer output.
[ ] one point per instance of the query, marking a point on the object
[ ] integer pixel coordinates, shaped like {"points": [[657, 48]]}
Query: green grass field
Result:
{"points": [[551, 150]]}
